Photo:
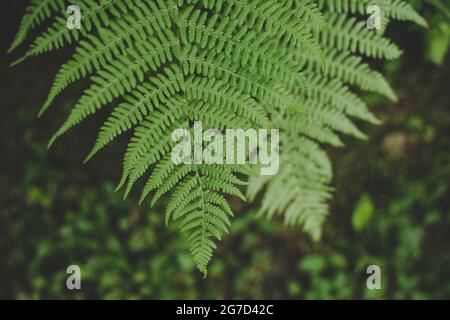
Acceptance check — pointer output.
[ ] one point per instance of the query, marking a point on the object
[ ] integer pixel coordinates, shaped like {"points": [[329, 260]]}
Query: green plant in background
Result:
{"points": [[230, 64], [439, 40]]}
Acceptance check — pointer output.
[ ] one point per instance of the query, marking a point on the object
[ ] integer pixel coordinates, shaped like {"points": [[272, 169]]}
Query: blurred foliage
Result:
{"points": [[438, 40], [391, 208]]}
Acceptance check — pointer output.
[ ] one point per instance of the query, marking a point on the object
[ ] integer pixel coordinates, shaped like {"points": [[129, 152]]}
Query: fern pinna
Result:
{"points": [[159, 65]]}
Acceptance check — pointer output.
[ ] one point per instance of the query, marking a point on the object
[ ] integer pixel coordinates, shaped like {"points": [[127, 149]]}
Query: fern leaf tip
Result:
{"points": [[43, 109], [16, 62], [127, 191], [10, 50], [142, 199], [121, 183], [51, 142], [90, 155]]}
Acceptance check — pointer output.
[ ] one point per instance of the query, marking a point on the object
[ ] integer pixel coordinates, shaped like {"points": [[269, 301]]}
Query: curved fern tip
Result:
{"points": [[43, 109], [422, 22], [15, 44], [87, 159], [141, 199], [90, 156], [11, 49], [51, 142], [203, 271], [53, 139], [121, 183], [166, 220], [154, 200], [16, 62], [127, 191]]}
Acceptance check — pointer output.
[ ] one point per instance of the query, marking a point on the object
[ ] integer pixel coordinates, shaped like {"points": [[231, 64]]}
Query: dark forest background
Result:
{"points": [[391, 205]]}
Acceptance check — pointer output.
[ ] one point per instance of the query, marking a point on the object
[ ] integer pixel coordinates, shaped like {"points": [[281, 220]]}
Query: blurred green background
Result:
{"points": [[391, 204]]}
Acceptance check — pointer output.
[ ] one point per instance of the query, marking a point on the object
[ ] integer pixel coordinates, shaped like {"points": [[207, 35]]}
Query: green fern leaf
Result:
{"points": [[163, 65]]}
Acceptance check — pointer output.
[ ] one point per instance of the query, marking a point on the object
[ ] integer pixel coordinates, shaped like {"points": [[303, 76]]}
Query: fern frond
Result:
{"points": [[349, 69], [93, 52], [36, 13], [144, 99], [94, 15], [303, 183], [327, 106], [164, 65], [400, 10], [350, 34]]}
